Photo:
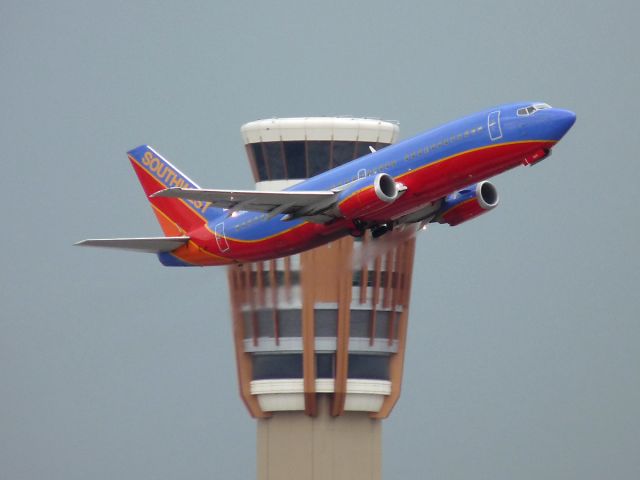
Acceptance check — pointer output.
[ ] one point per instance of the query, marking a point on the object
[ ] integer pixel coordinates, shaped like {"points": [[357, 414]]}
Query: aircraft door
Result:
{"points": [[221, 239], [493, 125]]}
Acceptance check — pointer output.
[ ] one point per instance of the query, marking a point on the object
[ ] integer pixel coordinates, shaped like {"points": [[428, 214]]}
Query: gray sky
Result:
{"points": [[523, 358]]}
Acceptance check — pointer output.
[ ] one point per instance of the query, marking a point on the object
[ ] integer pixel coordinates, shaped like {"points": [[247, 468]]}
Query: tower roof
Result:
{"points": [[320, 128]]}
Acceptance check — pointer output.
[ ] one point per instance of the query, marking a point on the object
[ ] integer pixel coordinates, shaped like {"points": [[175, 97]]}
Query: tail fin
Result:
{"points": [[176, 217]]}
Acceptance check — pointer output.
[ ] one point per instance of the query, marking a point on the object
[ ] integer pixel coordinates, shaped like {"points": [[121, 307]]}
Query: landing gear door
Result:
{"points": [[493, 125], [221, 240]]}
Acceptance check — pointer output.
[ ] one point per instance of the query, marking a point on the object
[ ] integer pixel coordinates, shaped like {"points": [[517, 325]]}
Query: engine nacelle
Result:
{"points": [[369, 195], [468, 203]]}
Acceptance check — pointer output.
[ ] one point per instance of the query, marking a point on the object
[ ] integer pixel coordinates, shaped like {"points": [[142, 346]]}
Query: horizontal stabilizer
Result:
{"points": [[285, 202], [150, 245]]}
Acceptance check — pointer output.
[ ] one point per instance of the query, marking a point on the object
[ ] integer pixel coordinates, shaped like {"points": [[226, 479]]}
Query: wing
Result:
{"points": [[292, 203], [151, 245]]}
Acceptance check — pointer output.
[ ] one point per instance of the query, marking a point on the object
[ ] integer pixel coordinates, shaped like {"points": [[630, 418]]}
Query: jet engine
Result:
{"points": [[468, 203], [369, 195]]}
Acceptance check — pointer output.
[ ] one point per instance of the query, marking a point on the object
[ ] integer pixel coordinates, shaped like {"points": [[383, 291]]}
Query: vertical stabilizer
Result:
{"points": [[176, 216]]}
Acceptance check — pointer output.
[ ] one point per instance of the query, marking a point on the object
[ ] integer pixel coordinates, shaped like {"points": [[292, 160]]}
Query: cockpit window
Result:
{"points": [[531, 109]]}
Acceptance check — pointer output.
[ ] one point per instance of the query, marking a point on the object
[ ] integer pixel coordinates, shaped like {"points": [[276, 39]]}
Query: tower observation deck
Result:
{"points": [[320, 336]]}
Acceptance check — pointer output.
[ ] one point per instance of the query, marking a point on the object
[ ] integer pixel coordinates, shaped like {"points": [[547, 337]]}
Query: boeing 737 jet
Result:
{"points": [[437, 176]]}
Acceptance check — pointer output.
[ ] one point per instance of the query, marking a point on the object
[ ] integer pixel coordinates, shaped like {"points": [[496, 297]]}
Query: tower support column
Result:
{"points": [[320, 335], [292, 445]]}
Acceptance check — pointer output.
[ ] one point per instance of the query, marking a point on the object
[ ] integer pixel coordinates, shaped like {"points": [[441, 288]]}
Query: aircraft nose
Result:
{"points": [[564, 120]]}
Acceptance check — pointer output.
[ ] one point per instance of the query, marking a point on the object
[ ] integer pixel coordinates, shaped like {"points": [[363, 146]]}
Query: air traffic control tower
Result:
{"points": [[320, 336]]}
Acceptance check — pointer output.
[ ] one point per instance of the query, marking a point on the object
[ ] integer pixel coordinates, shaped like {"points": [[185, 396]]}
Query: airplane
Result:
{"points": [[436, 176]]}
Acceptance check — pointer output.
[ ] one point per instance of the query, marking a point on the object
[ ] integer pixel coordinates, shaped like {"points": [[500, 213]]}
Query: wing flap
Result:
{"points": [[146, 244], [281, 202]]}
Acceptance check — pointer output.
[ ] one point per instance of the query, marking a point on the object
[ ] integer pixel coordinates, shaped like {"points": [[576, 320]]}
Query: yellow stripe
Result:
{"points": [[397, 178], [411, 172], [266, 238]]}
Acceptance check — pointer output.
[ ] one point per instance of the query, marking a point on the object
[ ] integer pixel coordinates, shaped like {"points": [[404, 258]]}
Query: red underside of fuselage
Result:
{"points": [[424, 185]]}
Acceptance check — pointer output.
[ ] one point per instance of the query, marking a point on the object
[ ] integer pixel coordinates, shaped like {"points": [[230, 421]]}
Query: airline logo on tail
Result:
{"points": [[163, 172], [166, 174]]}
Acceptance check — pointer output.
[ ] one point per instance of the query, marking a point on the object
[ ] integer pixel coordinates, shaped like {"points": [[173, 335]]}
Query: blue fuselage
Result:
{"points": [[492, 127]]}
